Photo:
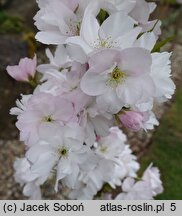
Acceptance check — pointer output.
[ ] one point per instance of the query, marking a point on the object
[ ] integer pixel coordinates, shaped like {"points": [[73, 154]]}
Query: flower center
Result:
{"points": [[116, 77], [63, 152], [48, 118], [104, 43], [103, 149]]}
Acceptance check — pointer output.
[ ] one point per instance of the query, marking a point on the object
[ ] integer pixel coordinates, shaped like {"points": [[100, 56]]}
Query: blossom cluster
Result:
{"points": [[104, 73]]}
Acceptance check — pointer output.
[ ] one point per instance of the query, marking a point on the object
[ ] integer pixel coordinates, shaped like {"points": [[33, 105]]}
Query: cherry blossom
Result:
{"points": [[103, 73], [115, 80]]}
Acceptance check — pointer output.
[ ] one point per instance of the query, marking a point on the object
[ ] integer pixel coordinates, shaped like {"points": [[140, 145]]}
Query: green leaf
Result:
{"points": [[160, 44], [102, 16], [170, 2]]}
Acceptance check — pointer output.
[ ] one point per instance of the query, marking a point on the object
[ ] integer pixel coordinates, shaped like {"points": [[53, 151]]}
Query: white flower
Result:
{"points": [[58, 62], [63, 151], [96, 122], [93, 36], [102, 70], [63, 59], [83, 191], [152, 175], [140, 190], [23, 172], [43, 109], [56, 22], [27, 178], [111, 146], [126, 166], [147, 188], [119, 78], [116, 156]]}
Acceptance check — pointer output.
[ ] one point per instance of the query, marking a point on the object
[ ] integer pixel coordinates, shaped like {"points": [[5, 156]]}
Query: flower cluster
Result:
{"points": [[103, 72]]}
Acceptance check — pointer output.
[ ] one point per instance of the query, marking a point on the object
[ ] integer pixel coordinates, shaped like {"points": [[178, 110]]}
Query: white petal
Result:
{"points": [[127, 40], [63, 169], [130, 92], [61, 55], [110, 102], [117, 25], [136, 61], [105, 59], [126, 6], [49, 37], [94, 84], [146, 41], [89, 28], [77, 40], [77, 53]]}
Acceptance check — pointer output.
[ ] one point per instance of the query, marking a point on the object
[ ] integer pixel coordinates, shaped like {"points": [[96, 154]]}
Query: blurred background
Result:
{"points": [[162, 146]]}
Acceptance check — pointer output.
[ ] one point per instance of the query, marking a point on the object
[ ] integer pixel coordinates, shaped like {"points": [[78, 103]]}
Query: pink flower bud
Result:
{"points": [[24, 71], [132, 120]]}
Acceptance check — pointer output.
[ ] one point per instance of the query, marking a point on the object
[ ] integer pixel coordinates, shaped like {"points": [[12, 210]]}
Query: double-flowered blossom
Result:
{"points": [[104, 73], [150, 185], [116, 80], [43, 109]]}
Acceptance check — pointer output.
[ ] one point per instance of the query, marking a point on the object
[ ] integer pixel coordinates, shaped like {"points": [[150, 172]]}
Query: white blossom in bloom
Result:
{"points": [[152, 174], [103, 72], [116, 80], [114, 148], [145, 189], [94, 121], [63, 151], [83, 191], [93, 36], [63, 59], [27, 178], [114, 162], [64, 82], [43, 109], [59, 19], [59, 61], [56, 23], [23, 172], [132, 190], [126, 166]]}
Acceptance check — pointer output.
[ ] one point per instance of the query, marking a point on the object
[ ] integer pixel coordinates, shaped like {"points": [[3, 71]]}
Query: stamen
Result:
{"points": [[103, 149], [48, 118], [104, 43], [116, 77], [63, 152]]}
